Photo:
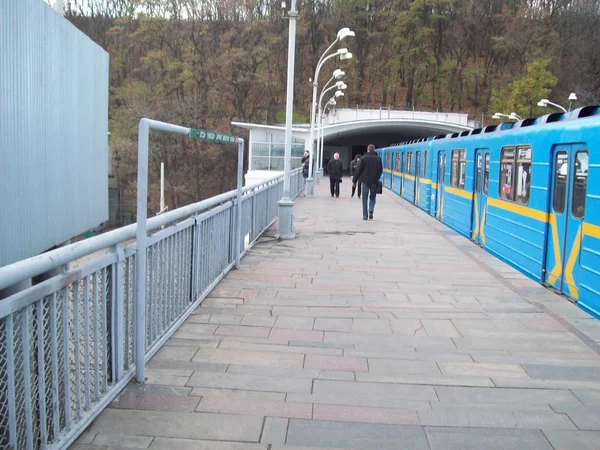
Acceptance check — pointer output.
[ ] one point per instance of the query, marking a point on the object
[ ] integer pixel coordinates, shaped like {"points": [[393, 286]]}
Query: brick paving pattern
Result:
{"points": [[391, 333]]}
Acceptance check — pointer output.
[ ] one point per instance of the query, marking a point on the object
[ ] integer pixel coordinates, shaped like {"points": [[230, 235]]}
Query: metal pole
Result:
{"points": [[139, 324], [286, 205], [238, 217], [162, 187]]}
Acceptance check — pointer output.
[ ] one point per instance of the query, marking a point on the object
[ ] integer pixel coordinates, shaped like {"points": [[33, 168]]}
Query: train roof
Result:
{"points": [[579, 113]]}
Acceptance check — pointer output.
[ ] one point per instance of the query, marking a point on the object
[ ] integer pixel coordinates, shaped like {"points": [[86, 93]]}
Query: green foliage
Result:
{"points": [[525, 91]]}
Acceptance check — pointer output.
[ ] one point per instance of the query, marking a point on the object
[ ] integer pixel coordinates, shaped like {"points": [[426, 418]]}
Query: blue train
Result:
{"points": [[520, 190]]}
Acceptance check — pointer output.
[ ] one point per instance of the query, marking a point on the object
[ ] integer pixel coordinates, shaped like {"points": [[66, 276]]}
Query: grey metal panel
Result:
{"points": [[53, 130]]}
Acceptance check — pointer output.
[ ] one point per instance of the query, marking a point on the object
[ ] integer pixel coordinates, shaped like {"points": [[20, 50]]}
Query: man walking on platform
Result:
{"points": [[335, 175], [369, 171]]}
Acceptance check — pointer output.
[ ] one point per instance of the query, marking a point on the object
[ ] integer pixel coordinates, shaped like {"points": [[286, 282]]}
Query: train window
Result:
{"points": [[486, 174], [560, 181], [580, 183], [462, 168], [397, 160], [409, 165], [478, 173], [458, 171], [523, 174], [388, 160], [404, 159], [507, 170], [425, 163]]}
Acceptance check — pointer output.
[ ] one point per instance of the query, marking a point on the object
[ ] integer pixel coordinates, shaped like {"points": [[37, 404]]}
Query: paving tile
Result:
{"points": [[179, 425], [225, 319], [377, 326], [588, 397], [585, 417], [258, 321], [274, 431], [365, 415], [439, 327], [195, 331], [174, 377], [295, 323], [488, 439], [355, 435], [469, 407], [454, 368], [123, 440], [135, 388], [272, 347], [329, 324], [296, 335], [573, 440], [341, 363], [235, 356], [504, 395], [255, 407], [228, 330], [190, 444], [154, 402], [424, 380], [250, 382], [550, 372], [403, 367], [537, 383], [238, 394], [197, 343], [496, 419]]}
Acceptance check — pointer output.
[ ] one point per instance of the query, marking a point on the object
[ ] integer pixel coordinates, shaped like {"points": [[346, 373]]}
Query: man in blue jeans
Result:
{"points": [[369, 172]]}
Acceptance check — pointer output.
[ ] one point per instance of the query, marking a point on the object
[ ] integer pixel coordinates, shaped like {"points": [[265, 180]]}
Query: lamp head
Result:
{"points": [[338, 73], [344, 33], [342, 51], [545, 102], [496, 116], [514, 116], [283, 5], [332, 102], [339, 94], [346, 55], [542, 103], [573, 97], [339, 84]]}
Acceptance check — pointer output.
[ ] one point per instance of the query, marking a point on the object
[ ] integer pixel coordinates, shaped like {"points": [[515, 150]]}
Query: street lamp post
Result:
{"points": [[285, 225], [320, 126], [343, 53], [337, 75], [545, 102], [340, 85]]}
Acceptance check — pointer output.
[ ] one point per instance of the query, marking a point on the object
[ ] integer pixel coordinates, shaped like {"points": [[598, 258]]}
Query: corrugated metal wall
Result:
{"points": [[53, 130]]}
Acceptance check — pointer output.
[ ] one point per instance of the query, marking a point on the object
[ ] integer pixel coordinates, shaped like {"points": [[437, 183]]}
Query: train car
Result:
{"points": [[520, 190]]}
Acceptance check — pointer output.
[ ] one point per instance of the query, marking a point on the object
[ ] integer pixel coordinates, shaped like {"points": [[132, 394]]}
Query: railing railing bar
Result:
{"points": [[148, 331], [55, 362], [66, 371], [86, 340], [26, 351], [76, 346], [42, 375], [96, 344], [105, 340], [10, 367]]}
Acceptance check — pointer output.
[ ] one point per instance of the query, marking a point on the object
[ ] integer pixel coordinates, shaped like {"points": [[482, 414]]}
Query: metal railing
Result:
{"points": [[67, 344]]}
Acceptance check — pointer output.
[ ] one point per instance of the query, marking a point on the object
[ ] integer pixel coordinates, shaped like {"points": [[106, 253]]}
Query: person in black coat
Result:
{"points": [[305, 162], [369, 172], [353, 166], [335, 175]]}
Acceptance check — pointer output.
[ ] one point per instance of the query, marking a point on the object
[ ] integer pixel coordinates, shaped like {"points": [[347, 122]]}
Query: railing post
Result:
{"points": [[195, 259], [238, 216], [117, 313]]}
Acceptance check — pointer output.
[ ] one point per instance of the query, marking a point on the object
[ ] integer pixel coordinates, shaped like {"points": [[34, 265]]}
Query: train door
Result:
{"points": [[480, 192], [402, 157], [417, 175], [566, 212], [441, 178], [392, 171]]}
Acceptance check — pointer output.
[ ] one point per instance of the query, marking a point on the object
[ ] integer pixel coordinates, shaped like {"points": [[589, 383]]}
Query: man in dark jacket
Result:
{"points": [[305, 160], [335, 175], [369, 171]]}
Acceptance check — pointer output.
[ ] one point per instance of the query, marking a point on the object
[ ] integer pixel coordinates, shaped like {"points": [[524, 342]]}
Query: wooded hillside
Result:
{"points": [[204, 63]]}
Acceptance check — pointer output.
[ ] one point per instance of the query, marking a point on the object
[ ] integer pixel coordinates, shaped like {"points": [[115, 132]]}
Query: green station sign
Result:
{"points": [[211, 136]]}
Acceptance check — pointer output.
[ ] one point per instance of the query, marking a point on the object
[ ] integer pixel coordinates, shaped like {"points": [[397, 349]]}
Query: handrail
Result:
{"points": [[31, 267]]}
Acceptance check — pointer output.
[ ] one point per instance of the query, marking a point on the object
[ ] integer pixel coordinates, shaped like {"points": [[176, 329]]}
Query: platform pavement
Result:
{"points": [[394, 333]]}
